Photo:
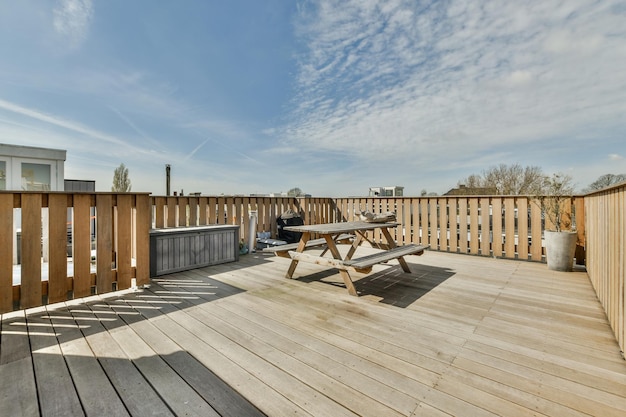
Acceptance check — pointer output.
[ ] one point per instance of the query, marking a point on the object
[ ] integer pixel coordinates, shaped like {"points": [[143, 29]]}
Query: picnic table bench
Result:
{"points": [[365, 263], [344, 231], [283, 250]]}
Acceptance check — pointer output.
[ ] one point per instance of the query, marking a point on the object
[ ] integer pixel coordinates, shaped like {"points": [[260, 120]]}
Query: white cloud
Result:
{"points": [[615, 157], [430, 82], [59, 122], [72, 19]]}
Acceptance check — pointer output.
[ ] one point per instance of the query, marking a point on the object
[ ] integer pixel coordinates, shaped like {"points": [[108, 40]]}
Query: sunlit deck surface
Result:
{"points": [[461, 335]]}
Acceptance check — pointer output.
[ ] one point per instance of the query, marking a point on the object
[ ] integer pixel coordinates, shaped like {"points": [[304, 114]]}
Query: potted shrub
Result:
{"points": [[559, 235]]}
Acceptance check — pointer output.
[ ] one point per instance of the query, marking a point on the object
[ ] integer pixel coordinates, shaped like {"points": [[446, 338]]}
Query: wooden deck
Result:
{"points": [[460, 336]]}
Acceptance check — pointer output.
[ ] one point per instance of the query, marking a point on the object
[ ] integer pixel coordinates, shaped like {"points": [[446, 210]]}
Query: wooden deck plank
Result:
{"points": [[134, 390], [18, 392], [55, 387], [97, 395], [17, 387]]}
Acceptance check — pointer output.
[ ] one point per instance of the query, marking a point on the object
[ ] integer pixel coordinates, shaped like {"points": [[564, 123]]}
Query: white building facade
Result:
{"points": [[26, 168]]}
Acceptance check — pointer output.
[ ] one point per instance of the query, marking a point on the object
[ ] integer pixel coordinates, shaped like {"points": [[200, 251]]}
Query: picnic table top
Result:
{"points": [[341, 227]]}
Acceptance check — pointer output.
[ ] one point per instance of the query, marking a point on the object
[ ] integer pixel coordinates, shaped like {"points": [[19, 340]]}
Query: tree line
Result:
{"points": [[502, 179], [515, 179]]}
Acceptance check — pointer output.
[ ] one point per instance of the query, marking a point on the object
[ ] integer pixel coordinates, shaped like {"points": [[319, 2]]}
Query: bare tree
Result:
{"points": [[508, 180], [295, 192], [605, 180], [121, 182], [556, 195]]}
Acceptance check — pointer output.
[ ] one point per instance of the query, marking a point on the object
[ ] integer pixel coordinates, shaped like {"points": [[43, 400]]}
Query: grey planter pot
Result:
{"points": [[560, 250]]}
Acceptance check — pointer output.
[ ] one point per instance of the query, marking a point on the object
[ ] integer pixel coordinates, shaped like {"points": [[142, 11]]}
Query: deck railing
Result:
{"points": [[115, 228], [70, 245], [507, 227], [606, 254]]}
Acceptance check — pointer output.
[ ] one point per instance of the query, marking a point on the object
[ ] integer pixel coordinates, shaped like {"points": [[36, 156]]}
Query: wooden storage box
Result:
{"points": [[183, 248]]}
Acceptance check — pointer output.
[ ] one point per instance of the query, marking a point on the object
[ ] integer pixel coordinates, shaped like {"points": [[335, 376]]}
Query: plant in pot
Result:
{"points": [[559, 235]]}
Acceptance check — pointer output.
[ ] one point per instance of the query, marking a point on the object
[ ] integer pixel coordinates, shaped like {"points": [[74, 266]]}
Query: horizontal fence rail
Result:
{"points": [[606, 255], [60, 245]]}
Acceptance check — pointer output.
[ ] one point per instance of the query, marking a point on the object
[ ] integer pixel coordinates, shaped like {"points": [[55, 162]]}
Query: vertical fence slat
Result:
{"points": [[81, 250], [432, 220], [443, 224], [496, 226], [142, 207], [160, 203], [536, 247], [57, 247], [6, 252], [202, 208], [30, 291], [104, 241], [522, 228], [509, 227], [463, 232], [183, 207], [579, 212], [473, 244], [124, 247], [453, 220], [193, 211], [485, 227]]}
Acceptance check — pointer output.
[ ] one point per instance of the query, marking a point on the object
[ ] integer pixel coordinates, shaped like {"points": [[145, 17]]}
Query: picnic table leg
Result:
{"points": [[301, 246], [344, 274], [358, 239], [392, 244]]}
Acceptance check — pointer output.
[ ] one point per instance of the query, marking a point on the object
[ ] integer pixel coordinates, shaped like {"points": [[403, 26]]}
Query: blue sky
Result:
{"points": [[331, 96]]}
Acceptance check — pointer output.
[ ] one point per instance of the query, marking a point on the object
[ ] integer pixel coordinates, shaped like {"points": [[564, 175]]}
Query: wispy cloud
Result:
{"points": [[426, 81], [72, 19], [86, 133], [196, 149]]}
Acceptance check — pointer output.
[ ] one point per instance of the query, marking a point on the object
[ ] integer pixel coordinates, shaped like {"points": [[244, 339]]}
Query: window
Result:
{"points": [[35, 177], [3, 175]]}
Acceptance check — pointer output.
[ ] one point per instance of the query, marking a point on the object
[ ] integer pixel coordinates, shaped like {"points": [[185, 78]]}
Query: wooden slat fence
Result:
{"points": [[500, 226], [508, 227], [58, 232], [605, 227]]}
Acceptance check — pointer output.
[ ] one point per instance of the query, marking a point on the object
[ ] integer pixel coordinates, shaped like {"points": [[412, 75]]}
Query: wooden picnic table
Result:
{"points": [[334, 232]]}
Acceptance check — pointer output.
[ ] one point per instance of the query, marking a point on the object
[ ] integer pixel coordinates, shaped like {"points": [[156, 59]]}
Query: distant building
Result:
{"points": [[395, 191], [80, 186], [29, 168], [463, 190]]}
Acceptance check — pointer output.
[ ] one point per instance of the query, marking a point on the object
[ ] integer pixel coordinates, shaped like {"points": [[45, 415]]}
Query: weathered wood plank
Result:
{"points": [[97, 395], [55, 388], [104, 243], [6, 252], [57, 235], [142, 233], [123, 242], [30, 291], [81, 243], [134, 390]]}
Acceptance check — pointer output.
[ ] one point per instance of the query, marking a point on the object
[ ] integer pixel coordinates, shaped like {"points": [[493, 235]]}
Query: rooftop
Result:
{"points": [[460, 335]]}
